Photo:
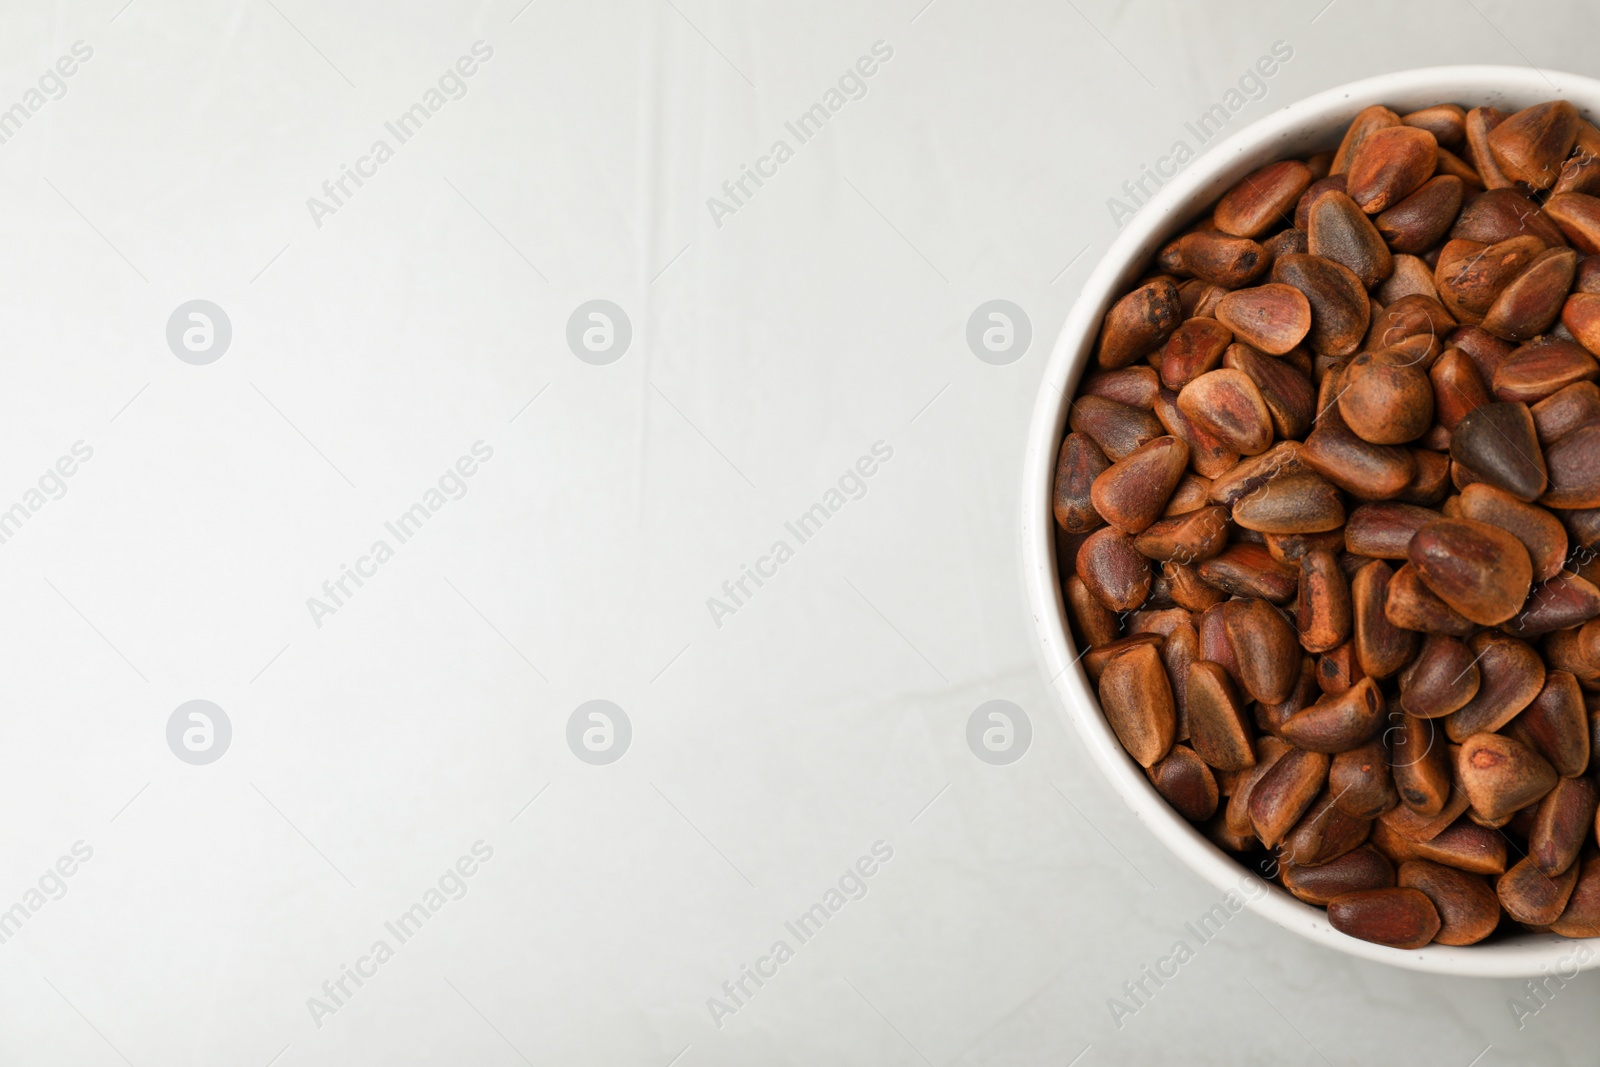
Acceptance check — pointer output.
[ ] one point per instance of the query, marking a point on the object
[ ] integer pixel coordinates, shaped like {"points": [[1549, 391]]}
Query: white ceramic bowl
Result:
{"points": [[1300, 128]]}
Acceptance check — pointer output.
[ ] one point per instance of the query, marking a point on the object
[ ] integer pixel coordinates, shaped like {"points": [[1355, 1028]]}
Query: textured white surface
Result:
{"points": [[768, 354]]}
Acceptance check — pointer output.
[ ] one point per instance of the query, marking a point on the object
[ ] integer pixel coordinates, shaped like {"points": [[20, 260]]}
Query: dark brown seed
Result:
{"points": [[1340, 311], [1338, 669], [1291, 503], [1411, 276], [1135, 386], [1566, 650], [1160, 594], [1188, 538], [1205, 305], [1468, 909], [1420, 762], [1184, 780], [1117, 428], [1324, 610], [1530, 302], [1262, 199], [1471, 274], [1161, 621], [1398, 917], [1214, 643], [1265, 648], [1414, 324], [1228, 781], [1217, 727], [1447, 122], [1337, 229], [1453, 165], [1421, 220], [1302, 209], [1511, 676], [1466, 846], [1194, 348], [1581, 917], [1556, 725], [1138, 323], [1587, 140], [1227, 404], [1080, 464], [1578, 216], [1363, 868], [1384, 530], [1271, 717], [1580, 174], [1193, 492], [1367, 121], [1208, 456], [1268, 750], [1498, 443], [1189, 590], [1389, 165], [1381, 647], [1561, 603], [1482, 347], [1500, 774], [1457, 387], [1536, 371], [1581, 316], [1132, 492], [1272, 317], [1361, 782], [1501, 214], [1289, 242], [1479, 570], [1480, 120], [1284, 793], [1540, 532], [1217, 832], [1095, 660], [1324, 833], [1442, 678], [1583, 526], [1178, 654], [1221, 259], [1137, 701], [1385, 399], [1432, 482], [1095, 623], [1169, 260], [1288, 394], [1574, 466], [1565, 820], [1292, 548], [1250, 570], [1405, 822], [1587, 280], [1113, 570], [1338, 722], [1533, 897], [1413, 606], [1529, 146], [1360, 468], [1255, 471]]}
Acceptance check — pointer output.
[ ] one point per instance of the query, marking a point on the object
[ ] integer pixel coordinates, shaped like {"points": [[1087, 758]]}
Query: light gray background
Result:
{"points": [[768, 354]]}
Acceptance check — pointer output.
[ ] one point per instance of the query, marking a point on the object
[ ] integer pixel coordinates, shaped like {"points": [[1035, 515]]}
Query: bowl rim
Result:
{"points": [[1181, 198]]}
